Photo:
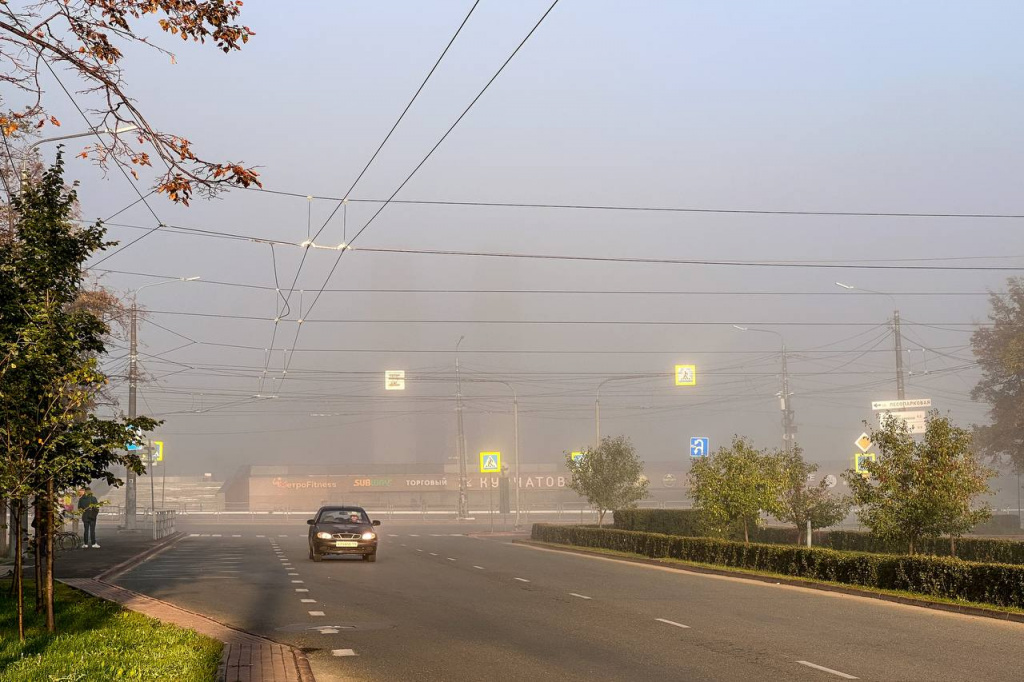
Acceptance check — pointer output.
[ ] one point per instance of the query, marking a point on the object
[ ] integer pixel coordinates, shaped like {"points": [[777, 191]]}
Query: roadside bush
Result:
{"points": [[999, 584], [686, 523]]}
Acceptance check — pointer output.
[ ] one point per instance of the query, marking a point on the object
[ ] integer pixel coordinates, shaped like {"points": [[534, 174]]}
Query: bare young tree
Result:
{"points": [[87, 37]]}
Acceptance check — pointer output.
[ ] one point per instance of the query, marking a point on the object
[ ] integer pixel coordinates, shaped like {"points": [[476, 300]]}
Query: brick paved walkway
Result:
{"points": [[246, 657]]}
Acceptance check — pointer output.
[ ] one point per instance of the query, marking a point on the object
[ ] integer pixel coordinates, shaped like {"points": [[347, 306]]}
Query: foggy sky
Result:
{"points": [[840, 106]]}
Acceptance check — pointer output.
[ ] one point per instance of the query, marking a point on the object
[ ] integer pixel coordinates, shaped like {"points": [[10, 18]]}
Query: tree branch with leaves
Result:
{"points": [[88, 38]]}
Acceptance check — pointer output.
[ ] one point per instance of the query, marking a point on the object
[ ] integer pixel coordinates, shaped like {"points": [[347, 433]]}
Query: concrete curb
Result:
{"points": [[823, 587], [142, 556]]}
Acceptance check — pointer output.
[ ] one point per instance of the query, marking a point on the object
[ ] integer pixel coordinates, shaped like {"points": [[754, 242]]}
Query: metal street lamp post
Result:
{"points": [[788, 422], [901, 392]]}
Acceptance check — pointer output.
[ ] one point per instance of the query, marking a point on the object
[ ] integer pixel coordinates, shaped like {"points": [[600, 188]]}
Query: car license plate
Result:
{"points": [[346, 543]]}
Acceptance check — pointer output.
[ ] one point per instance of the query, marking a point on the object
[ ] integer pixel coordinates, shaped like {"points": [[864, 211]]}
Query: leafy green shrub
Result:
{"points": [[998, 584], [669, 521], [686, 523]]}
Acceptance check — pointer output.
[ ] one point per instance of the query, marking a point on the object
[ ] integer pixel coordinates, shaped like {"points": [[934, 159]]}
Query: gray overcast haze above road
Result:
{"points": [[800, 106]]}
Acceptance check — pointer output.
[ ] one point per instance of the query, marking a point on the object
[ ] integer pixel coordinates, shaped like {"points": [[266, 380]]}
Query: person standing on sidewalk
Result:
{"points": [[90, 508]]}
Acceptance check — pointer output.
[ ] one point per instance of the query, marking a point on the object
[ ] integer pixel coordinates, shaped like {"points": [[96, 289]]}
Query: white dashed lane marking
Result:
{"points": [[308, 601], [297, 582], [580, 596], [343, 652], [316, 613], [301, 589], [480, 568], [827, 670], [328, 631], [672, 622], [450, 559], [522, 580], [433, 554], [236, 536]]}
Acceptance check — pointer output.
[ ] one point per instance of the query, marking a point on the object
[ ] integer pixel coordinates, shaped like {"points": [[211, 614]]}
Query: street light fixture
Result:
{"points": [[58, 138], [130, 492], [901, 392]]}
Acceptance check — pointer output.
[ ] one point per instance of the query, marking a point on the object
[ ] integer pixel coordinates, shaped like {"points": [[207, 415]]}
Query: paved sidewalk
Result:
{"points": [[114, 549], [246, 657]]}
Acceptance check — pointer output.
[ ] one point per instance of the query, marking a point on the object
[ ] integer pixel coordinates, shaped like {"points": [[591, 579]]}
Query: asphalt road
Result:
{"points": [[441, 604]]}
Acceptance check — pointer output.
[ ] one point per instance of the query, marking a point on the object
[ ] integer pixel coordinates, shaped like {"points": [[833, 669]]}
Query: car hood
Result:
{"points": [[344, 527]]}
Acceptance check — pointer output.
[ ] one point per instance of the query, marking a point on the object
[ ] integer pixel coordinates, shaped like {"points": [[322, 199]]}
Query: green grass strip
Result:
{"points": [[99, 640]]}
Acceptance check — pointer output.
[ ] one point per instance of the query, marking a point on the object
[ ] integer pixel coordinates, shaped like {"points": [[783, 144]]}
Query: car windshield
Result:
{"points": [[343, 516]]}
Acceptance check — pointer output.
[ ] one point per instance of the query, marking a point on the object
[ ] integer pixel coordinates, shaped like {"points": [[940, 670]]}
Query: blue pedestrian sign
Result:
{"points": [[700, 447], [490, 462]]}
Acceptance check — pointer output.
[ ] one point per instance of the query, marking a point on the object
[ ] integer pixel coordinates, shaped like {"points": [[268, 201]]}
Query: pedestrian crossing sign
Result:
{"points": [[686, 375], [577, 457], [490, 462]]}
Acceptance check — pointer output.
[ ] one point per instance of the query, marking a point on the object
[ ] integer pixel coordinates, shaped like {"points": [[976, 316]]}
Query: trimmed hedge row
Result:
{"points": [[685, 522], [998, 584]]}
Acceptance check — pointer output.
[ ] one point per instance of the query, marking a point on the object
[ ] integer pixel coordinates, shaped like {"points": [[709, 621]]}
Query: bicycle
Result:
{"points": [[65, 541]]}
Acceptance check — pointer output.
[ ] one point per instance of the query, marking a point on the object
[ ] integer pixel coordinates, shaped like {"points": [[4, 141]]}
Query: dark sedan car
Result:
{"points": [[342, 530]]}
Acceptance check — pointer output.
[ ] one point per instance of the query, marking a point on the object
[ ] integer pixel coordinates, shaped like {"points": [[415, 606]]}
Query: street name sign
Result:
{"points": [[889, 405], [490, 462], [394, 380], [917, 421]]}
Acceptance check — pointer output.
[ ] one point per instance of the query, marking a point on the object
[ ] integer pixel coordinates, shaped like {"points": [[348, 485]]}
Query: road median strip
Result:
{"points": [[777, 579]]}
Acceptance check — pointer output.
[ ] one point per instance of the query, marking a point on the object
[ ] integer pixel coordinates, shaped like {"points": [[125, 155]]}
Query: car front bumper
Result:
{"points": [[331, 547]]}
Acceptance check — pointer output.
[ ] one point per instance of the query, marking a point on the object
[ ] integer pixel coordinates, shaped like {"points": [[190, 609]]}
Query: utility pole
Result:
{"points": [[131, 480], [901, 391], [463, 507], [788, 422], [785, 404]]}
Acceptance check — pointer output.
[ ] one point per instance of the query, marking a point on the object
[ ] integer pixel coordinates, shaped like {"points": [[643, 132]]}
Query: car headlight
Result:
{"points": [[369, 536], [324, 536]]}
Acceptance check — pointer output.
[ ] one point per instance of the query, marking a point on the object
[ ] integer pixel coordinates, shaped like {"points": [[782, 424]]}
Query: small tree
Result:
{"points": [[609, 476], [734, 485], [917, 489], [50, 344], [1000, 353], [801, 502]]}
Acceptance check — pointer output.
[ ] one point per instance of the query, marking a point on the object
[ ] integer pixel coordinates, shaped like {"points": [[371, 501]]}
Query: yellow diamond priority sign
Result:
{"points": [[864, 442]]}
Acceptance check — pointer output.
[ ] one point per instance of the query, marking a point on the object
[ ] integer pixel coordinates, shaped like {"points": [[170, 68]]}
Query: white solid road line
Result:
{"points": [[316, 613], [479, 567], [827, 670], [581, 596], [343, 652], [522, 580], [672, 622]]}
